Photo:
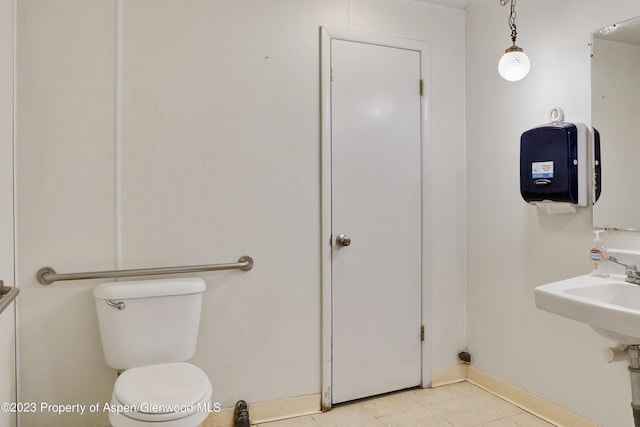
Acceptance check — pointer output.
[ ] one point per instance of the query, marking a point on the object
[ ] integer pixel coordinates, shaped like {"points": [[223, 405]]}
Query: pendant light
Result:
{"points": [[514, 64]]}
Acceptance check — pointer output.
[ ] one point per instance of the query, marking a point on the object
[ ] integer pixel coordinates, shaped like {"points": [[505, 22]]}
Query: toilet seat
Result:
{"points": [[163, 392]]}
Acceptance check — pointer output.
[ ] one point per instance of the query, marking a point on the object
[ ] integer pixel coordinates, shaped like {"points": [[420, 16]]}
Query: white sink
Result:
{"points": [[608, 304]]}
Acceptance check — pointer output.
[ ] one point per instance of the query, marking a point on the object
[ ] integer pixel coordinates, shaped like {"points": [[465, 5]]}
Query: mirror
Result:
{"points": [[615, 115]]}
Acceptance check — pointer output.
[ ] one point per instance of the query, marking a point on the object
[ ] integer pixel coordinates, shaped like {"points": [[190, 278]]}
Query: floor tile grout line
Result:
{"points": [[461, 393]]}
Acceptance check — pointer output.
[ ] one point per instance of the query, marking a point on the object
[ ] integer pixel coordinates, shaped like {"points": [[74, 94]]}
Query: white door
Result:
{"points": [[376, 203]]}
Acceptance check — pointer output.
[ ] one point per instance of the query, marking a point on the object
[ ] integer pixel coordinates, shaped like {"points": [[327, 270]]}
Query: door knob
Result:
{"points": [[343, 240]]}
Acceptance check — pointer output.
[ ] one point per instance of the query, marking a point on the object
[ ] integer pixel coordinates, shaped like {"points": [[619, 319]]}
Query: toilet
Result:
{"points": [[149, 330]]}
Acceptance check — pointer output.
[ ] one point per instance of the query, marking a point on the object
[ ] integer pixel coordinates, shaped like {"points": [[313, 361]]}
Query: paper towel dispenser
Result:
{"points": [[553, 166]]}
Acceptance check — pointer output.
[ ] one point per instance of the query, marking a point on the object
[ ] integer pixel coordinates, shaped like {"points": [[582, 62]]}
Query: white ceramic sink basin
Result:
{"points": [[608, 304]]}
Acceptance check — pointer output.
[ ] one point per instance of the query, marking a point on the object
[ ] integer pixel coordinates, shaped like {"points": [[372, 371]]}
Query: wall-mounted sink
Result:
{"points": [[608, 304]]}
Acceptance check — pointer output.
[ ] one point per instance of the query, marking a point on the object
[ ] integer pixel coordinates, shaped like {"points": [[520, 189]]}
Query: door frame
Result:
{"points": [[424, 48]]}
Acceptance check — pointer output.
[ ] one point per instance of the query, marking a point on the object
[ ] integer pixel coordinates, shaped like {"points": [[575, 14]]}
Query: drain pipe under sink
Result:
{"points": [[634, 370], [619, 353]]}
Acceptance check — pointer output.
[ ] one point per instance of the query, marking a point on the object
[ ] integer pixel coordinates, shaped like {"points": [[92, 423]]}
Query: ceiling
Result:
{"points": [[459, 4], [623, 32]]}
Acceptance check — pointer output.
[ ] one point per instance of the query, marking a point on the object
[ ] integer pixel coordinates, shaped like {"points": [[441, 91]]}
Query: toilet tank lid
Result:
{"points": [[149, 288]]}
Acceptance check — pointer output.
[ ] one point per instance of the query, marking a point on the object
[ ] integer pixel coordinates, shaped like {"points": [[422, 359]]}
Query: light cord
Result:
{"points": [[512, 19]]}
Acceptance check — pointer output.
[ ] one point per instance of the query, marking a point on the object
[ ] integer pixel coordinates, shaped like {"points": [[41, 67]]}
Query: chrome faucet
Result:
{"points": [[631, 270]]}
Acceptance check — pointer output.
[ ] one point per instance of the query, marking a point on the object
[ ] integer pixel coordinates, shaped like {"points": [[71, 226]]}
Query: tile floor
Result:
{"points": [[455, 405]]}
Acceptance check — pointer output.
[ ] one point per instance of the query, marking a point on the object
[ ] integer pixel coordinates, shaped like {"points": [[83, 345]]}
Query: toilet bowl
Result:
{"points": [[168, 394], [149, 330]]}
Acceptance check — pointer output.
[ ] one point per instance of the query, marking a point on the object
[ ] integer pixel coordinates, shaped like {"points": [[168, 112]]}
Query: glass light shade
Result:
{"points": [[514, 64]]}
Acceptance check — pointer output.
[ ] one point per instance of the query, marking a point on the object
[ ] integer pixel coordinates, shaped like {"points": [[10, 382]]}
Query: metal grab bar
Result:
{"points": [[47, 275], [7, 295]]}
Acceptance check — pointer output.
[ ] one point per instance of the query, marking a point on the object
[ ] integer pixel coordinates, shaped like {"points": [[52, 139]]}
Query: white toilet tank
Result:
{"points": [[149, 321]]}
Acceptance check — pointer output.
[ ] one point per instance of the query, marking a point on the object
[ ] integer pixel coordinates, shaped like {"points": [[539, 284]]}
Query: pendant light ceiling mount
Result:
{"points": [[514, 64]]}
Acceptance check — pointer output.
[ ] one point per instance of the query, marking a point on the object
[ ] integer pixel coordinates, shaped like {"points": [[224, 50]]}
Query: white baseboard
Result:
{"points": [[538, 406], [310, 404], [448, 375], [269, 411]]}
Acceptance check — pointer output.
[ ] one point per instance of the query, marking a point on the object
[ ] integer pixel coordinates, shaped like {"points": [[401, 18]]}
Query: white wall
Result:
{"points": [[512, 247], [6, 141], [65, 198], [7, 317], [216, 155]]}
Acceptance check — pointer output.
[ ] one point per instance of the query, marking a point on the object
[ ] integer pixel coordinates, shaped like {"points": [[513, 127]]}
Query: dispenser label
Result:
{"points": [[597, 256], [541, 170]]}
